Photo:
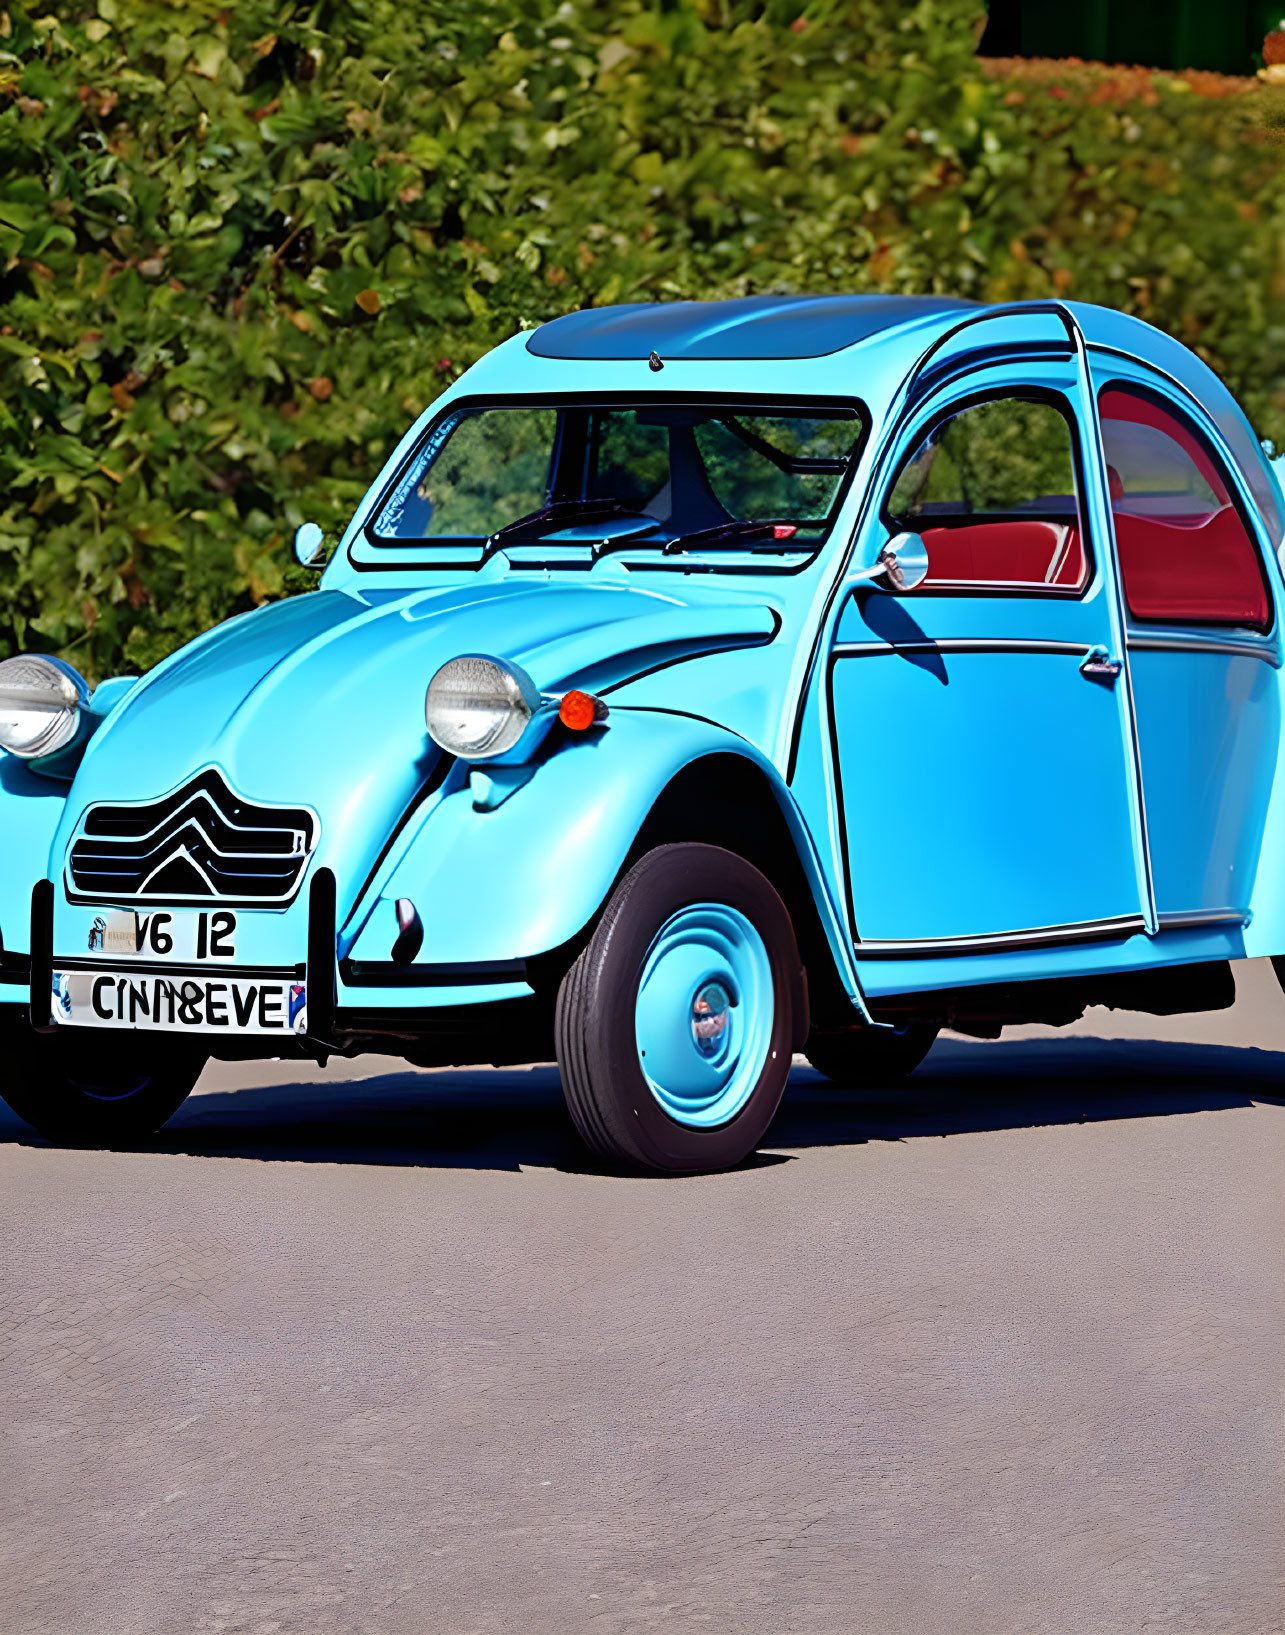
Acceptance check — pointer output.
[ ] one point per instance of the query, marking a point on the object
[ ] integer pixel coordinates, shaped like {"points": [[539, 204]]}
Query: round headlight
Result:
{"points": [[40, 701], [477, 707]]}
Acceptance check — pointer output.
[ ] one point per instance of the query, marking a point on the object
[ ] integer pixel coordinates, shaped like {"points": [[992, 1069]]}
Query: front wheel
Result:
{"points": [[676, 1025], [81, 1088]]}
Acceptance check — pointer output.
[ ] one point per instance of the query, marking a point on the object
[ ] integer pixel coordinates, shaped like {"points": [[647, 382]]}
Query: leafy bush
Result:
{"points": [[243, 245]]}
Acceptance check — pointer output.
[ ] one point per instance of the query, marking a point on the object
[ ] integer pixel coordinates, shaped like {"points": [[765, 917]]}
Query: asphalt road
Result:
{"points": [[372, 1351]]}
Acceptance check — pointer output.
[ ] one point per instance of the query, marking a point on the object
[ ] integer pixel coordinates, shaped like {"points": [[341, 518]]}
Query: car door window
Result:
{"points": [[992, 491], [1186, 554]]}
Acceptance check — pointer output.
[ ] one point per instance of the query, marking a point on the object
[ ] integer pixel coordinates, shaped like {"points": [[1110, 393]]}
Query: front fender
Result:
{"points": [[528, 876]]}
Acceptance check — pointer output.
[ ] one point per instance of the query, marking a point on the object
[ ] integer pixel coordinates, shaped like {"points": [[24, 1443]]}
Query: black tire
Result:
{"points": [[607, 1093], [858, 1057], [85, 1088]]}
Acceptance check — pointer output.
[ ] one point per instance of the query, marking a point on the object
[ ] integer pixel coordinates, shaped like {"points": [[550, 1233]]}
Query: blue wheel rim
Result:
{"points": [[703, 1014]]}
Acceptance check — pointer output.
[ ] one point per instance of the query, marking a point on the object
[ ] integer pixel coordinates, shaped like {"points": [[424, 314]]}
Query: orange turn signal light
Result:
{"points": [[578, 711]]}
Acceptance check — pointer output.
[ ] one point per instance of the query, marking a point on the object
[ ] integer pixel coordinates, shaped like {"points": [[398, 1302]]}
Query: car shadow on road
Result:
{"points": [[503, 1119]]}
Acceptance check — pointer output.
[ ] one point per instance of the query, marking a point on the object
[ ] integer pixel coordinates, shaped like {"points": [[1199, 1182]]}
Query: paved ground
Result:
{"points": [[1001, 1357]]}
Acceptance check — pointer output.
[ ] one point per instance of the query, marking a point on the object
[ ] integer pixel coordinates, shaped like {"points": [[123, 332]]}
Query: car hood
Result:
{"points": [[319, 700]]}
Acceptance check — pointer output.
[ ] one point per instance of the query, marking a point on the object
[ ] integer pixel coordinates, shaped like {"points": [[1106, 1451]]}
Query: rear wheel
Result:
{"points": [[869, 1056], [85, 1088], [675, 1026]]}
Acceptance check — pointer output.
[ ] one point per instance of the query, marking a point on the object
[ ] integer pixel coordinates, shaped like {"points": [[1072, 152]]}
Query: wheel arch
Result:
{"points": [[725, 798]]}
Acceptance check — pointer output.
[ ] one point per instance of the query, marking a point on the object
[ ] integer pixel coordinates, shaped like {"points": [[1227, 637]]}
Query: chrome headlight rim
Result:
{"points": [[42, 682], [499, 696]]}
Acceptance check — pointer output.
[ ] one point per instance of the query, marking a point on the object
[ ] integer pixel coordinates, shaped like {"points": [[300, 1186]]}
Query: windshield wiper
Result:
{"points": [[551, 518], [560, 514], [736, 533]]}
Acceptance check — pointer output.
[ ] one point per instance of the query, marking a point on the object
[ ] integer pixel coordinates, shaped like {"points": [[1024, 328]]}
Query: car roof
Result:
{"points": [[763, 328], [751, 327], [766, 327]]}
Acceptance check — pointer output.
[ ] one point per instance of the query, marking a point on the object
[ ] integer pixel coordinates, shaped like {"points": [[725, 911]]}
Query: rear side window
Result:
{"points": [[1186, 554], [992, 491]]}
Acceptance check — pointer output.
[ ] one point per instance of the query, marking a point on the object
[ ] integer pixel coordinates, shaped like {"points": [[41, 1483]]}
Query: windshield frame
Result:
{"points": [[395, 553]]}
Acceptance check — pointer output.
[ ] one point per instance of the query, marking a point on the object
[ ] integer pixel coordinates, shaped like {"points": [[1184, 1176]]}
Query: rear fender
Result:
{"points": [[529, 876]]}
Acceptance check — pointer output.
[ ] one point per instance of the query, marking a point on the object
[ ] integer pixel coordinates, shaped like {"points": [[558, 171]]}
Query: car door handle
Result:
{"points": [[1098, 665]]}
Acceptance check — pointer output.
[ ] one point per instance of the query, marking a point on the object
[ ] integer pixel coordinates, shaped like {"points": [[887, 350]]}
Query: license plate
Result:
{"points": [[179, 1003], [186, 936]]}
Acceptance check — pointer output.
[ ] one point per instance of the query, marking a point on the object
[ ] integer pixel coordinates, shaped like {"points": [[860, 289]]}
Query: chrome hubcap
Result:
{"points": [[710, 1010]]}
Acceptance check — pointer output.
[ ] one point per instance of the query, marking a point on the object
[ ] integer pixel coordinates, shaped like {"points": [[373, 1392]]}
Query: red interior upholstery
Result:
{"points": [[1196, 569], [1191, 570], [1117, 404], [1017, 552]]}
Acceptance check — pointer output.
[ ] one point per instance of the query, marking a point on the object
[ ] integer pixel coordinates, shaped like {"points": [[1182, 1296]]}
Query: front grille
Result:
{"points": [[201, 843]]}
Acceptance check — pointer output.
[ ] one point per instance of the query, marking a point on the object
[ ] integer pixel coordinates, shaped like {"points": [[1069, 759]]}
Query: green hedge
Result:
{"points": [[242, 245]]}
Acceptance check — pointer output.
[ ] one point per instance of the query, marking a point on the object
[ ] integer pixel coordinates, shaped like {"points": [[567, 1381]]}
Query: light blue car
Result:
{"points": [[698, 684]]}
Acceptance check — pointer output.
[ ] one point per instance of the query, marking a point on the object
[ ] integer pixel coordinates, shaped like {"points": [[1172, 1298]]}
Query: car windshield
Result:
{"points": [[655, 476]]}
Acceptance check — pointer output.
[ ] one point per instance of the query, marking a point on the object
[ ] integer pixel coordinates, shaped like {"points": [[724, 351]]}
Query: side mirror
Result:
{"points": [[309, 545], [902, 565]]}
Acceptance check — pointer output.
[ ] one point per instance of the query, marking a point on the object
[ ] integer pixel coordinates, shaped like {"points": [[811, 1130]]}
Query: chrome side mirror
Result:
{"points": [[902, 565], [309, 545]]}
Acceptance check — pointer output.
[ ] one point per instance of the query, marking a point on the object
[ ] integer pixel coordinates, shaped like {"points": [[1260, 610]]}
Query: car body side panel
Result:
{"points": [[1209, 729], [986, 834]]}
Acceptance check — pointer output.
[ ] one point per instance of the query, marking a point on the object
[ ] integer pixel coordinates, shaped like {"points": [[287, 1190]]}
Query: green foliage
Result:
{"points": [[491, 469], [241, 246]]}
